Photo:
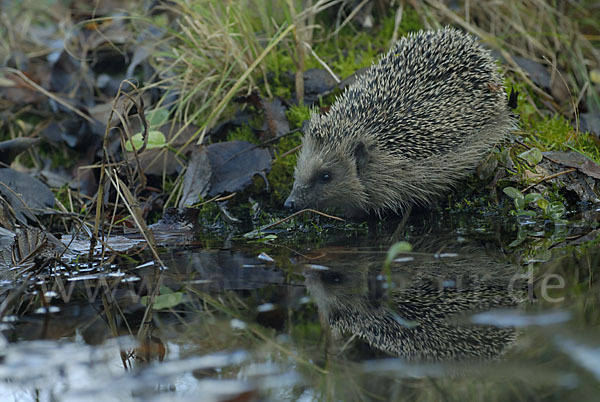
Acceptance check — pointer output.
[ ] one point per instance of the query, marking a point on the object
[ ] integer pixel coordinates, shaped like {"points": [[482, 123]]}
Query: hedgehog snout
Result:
{"points": [[291, 203]]}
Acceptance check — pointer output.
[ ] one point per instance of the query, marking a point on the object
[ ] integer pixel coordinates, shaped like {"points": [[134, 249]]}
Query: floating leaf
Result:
{"points": [[532, 156], [156, 139], [543, 204]]}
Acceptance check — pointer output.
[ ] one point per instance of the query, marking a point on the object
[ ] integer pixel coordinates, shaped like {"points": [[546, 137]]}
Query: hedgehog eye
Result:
{"points": [[325, 177]]}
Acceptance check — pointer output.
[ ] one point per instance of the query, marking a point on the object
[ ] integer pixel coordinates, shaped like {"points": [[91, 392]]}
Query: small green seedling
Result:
{"points": [[156, 139], [553, 211]]}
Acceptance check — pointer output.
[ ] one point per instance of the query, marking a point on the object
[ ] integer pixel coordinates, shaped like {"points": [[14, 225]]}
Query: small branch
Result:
{"points": [[552, 176], [287, 218]]}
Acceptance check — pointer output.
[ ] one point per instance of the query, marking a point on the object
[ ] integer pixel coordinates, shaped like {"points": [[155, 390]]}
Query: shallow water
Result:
{"points": [[461, 317]]}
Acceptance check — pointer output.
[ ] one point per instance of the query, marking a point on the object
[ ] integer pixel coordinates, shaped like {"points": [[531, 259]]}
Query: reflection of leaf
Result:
{"points": [[521, 236], [555, 210], [156, 139], [532, 156], [166, 299], [400, 247]]}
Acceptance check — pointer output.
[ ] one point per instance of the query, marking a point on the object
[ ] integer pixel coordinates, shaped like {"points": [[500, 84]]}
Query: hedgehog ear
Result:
{"points": [[361, 156]]}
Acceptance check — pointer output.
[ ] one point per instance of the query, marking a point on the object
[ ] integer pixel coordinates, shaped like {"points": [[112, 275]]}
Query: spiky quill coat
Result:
{"points": [[407, 130]]}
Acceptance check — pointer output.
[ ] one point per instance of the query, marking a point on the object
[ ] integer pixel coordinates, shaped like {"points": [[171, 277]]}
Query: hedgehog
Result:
{"points": [[425, 315], [406, 130]]}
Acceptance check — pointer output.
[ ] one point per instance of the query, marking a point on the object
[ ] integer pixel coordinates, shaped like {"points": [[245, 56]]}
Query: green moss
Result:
{"points": [[296, 115], [557, 133], [410, 22], [243, 133], [549, 132], [351, 49]]}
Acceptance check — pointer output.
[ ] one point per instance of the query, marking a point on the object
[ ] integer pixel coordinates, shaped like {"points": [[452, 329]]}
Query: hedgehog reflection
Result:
{"points": [[434, 296]]}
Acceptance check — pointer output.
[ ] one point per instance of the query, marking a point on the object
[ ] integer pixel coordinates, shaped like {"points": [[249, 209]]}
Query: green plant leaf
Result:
{"points": [[555, 210], [400, 247], [156, 139], [157, 117], [519, 203], [166, 299], [532, 156], [543, 204], [521, 236], [532, 197], [513, 192]]}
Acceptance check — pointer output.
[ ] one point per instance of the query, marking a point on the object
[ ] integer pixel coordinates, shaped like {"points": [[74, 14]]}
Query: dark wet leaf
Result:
{"points": [[69, 77], [7, 216], [538, 72], [590, 122], [317, 82], [559, 89], [177, 219], [11, 148], [275, 118], [575, 160], [25, 194], [196, 181], [276, 122], [349, 80], [234, 164], [29, 244]]}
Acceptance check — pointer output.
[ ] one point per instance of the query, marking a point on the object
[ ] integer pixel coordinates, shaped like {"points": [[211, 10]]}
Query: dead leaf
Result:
{"points": [[25, 194], [234, 164], [11, 148], [275, 118], [575, 160], [196, 181]]}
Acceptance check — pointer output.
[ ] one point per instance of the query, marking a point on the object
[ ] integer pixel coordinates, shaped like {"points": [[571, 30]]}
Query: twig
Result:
{"points": [[552, 176], [287, 218]]}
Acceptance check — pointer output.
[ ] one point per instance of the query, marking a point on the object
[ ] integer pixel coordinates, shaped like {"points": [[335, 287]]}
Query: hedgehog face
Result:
{"points": [[326, 179]]}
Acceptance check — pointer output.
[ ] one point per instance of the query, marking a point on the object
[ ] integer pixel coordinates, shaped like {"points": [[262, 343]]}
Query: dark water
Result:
{"points": [[462, 317]]}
